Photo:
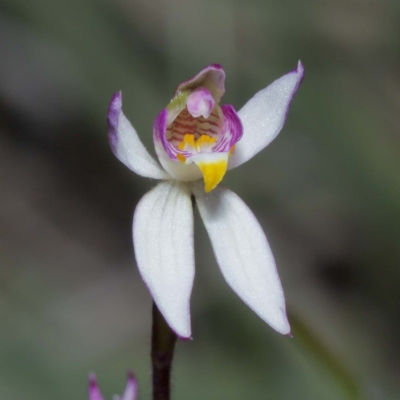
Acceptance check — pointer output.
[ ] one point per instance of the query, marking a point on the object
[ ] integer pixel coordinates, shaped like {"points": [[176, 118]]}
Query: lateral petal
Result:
{"points": [[264, 114], [163, 241], [126, 145], [243, 254]]}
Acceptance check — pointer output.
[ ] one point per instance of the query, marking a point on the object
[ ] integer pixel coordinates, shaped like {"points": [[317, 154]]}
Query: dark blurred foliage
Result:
{"points": [[327, 192]]}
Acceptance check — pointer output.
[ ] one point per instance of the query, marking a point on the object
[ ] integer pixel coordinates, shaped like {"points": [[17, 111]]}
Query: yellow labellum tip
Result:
{"points": [[213, 172]]}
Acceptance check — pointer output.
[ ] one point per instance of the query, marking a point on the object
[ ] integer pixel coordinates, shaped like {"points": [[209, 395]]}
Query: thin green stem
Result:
{"points": [[162, 352], [329, 359]]}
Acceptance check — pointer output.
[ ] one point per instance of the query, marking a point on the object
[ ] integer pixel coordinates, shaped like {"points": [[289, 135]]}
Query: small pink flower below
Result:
{"points": [[131, 390]]}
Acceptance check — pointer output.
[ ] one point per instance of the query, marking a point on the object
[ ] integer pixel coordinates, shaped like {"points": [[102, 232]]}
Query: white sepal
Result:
{"points": [[163, 241], [264, 114], [243, 254], [126, 144]]}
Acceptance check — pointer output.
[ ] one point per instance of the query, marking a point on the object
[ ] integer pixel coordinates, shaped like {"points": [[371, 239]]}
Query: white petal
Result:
{"points": [[264, 114], [127, 146], [163, 241], [243, 254]]}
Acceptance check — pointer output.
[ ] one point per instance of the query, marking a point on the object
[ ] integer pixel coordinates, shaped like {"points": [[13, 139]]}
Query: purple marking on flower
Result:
{"points": [[160, 124], [94, 391], [212, 77], [114, 110], [227, 129], [183, 338], [232, 131], [159, 133], [298, 70], [200, 102]]}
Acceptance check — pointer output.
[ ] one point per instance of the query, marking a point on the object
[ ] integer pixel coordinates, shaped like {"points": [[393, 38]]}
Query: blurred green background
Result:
{"points": [[327, 192]]}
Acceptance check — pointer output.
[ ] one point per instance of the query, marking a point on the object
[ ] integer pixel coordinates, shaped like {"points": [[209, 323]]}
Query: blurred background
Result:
{"points": [[327, 192]]}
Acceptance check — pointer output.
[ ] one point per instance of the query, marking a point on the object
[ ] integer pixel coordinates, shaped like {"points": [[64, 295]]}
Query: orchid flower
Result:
{"points": [[198, 140], [131, 390]]}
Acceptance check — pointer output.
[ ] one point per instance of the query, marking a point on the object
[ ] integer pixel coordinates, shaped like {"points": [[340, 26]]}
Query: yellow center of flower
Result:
{"points": [[202, 142], [212, 165]]}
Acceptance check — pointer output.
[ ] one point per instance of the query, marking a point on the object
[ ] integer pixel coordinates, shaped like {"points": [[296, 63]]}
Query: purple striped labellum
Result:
{"points": [[194, 136]]}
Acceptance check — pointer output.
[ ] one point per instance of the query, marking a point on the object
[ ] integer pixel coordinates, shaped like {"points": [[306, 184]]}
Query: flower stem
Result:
{"points": [[162, 352]]}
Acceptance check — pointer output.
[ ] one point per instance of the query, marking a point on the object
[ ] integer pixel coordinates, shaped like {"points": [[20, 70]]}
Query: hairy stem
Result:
{"points": [[162, 351]]}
